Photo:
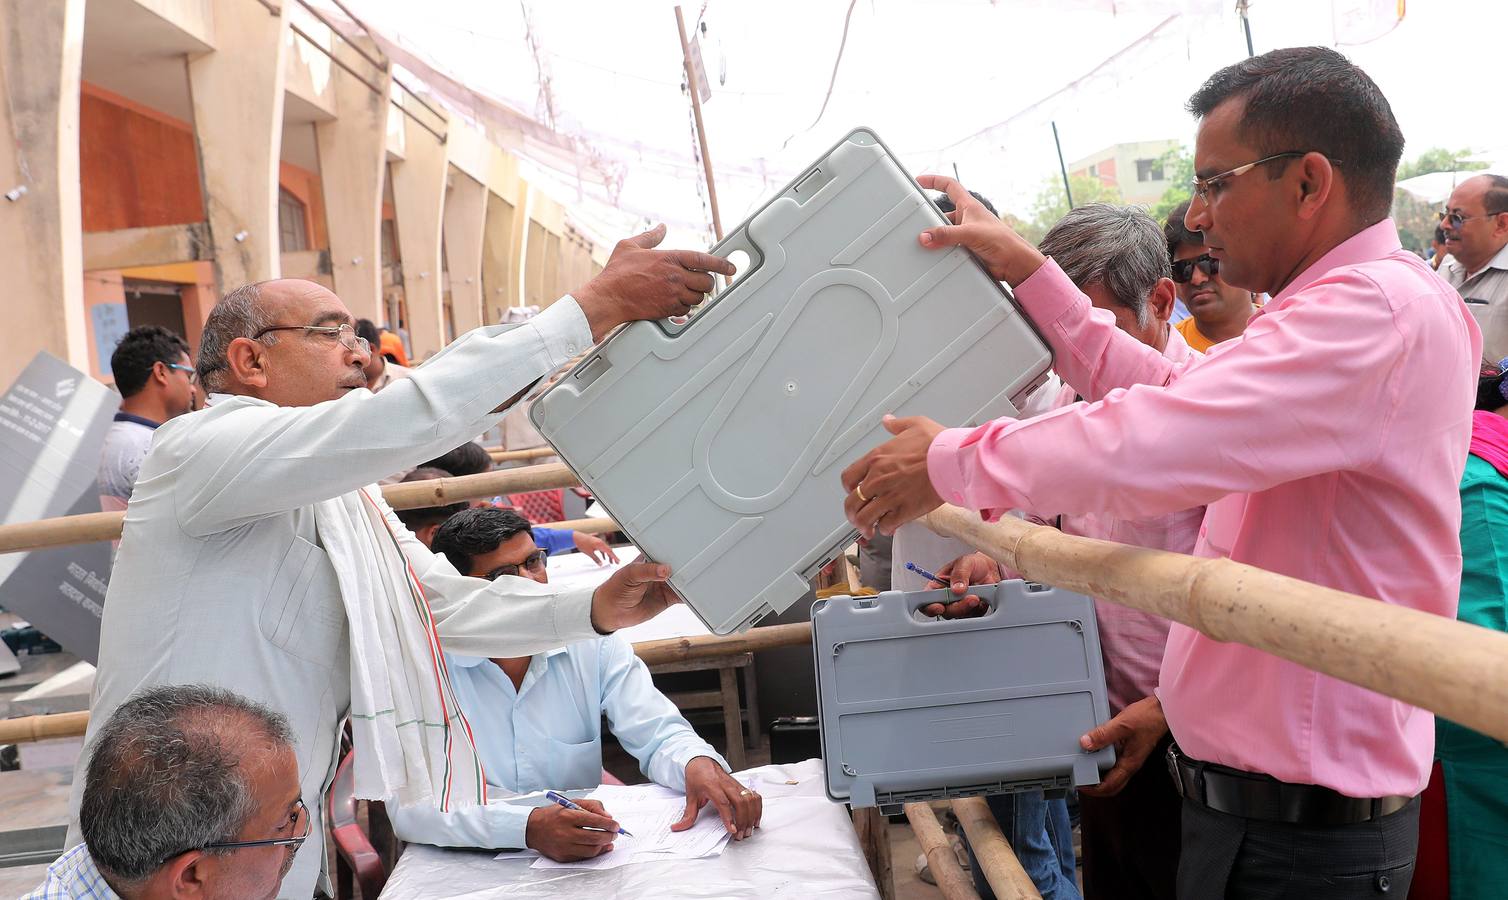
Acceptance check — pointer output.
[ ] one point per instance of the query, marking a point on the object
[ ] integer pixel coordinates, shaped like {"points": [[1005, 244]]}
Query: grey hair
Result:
{"points": [[1118, 247], [165, 777], [239, 314]]}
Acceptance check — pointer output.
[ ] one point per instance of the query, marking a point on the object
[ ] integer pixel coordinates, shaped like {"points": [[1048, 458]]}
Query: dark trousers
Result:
{"points": [[1248, 859], [1131, 840]]}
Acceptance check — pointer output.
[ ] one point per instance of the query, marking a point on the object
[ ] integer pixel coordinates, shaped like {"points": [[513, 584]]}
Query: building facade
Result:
{"points": [[157, 153], [1136, 169]]}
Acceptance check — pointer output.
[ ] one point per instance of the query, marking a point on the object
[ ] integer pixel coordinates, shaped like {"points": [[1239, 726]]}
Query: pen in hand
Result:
{"points": [[913, 567], [562, 800]]}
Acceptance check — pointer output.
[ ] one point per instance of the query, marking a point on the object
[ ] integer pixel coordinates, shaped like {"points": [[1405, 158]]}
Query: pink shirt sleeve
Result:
{"points": [[1308, 389], [1090, 353]]}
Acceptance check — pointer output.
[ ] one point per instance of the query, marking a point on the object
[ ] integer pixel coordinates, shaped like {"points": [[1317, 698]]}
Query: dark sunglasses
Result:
{"points": [[534, 562], [1454, 220], [1183, 269]]}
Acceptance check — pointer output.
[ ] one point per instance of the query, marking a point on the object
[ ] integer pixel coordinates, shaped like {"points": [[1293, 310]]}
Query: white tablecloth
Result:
{"points": [[805, 847]]}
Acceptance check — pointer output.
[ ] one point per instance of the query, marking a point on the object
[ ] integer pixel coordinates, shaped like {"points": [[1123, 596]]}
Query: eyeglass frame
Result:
{"points": [[1202, 185], [1193, 263], [534, 562], [193, 376], [294, 842], [1454, 220], [357, 342]]}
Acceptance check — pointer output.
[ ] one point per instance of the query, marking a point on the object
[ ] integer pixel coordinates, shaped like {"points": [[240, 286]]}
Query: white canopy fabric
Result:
{"points": [[974, 84]]}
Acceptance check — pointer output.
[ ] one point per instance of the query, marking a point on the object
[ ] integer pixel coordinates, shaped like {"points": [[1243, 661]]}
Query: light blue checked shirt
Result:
{"points": [[73, 877]]}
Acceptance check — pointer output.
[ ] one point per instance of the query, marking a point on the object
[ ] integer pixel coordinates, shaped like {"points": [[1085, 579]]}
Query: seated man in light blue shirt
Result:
{"points": [[538, 723]]}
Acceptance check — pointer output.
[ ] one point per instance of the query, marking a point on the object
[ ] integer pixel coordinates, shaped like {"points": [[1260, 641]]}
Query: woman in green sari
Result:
{"points": [[1464, 839]]}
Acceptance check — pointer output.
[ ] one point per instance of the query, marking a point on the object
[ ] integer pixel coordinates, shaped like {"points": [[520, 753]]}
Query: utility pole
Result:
{"points": [[693, 82], [1241, 10], [1062, 166]]}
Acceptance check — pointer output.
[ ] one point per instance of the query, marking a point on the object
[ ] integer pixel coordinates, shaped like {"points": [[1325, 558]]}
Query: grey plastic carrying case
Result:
{"points": [[916, 708], [717, 444]]}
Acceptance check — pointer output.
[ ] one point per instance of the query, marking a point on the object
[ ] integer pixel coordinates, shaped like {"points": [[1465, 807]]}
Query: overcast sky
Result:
{"points": [[944, 82]]}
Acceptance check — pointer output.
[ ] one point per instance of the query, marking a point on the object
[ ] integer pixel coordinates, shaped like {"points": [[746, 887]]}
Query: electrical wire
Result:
{"points": [[837, 61]]}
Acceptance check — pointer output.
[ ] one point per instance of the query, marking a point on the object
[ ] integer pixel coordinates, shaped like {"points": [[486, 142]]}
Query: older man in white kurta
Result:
{"points": [[255, 521]]}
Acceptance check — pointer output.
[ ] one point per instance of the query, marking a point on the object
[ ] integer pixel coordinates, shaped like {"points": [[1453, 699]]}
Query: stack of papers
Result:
{"points": [[649, 821]]}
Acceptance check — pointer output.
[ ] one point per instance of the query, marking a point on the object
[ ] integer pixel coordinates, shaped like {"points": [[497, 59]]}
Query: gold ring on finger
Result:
{"points": [[859, 492], [744, 793]]}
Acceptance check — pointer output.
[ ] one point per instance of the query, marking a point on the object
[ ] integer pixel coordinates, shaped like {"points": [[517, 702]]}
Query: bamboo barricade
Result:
{"points": [[950, 877], [1453, 669], [500, 455], [72, 724], [997, 860], [106, 526]]}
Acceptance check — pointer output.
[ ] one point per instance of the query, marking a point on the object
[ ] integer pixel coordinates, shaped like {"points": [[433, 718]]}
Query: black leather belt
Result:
{"points": [[1252, 795]]}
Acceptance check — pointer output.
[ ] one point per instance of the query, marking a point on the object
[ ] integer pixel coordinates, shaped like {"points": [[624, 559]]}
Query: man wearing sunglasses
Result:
{"points": [[538, 721], [259, 554], [193, 793], [1476, 237], [1218, 311], [1327, 443], [156, 380]]}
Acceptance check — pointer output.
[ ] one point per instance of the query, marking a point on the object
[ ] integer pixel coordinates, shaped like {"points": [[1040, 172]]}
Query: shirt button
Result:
{"points": [[570, 348], [1384, 884]]}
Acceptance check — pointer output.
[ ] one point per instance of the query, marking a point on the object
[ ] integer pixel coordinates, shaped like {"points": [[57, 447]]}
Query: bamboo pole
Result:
{"points": [[585, 526], [950, 877], [696, 111], [1456, 670], [501, 455], [1002, 870], [106, 526], [706, 646], [43, 727]]}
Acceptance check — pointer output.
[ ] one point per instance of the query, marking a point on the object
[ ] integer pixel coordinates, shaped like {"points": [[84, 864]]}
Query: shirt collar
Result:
{"points": [[139, 420], [1499, 260], [471, 662], [1372, 242]]}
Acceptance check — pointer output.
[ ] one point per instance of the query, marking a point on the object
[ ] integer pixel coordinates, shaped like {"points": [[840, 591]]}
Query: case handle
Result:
{"points": [[730, 247]]}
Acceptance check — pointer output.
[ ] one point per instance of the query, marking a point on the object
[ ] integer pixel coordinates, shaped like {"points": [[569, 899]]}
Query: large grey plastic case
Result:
{"points": [[717, 444], [917, 708]]}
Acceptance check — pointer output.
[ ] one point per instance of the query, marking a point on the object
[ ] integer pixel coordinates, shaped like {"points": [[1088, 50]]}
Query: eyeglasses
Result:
{"points": [[345, 334], [1454, 220], [535, 562], [299, 812], [1202, 186], [192, 375], [1183, 269]]}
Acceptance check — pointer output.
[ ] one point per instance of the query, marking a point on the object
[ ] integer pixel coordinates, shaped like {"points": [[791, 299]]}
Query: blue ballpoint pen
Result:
{"points": [[568, 803], [913, 567]]}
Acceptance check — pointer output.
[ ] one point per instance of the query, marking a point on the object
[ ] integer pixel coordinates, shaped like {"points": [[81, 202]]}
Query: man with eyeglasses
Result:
{"points": [[193, 792], [259, 555], [538, 720], [1218, 311], [1476, 237], [1327, 443], [156, 381]]}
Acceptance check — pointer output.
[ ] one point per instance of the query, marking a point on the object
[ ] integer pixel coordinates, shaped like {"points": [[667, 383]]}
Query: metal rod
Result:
{"points": [[696, 112], [335, 59], [271, 7], [418, 121], [1241, 8], [410, 91], [336, 31], [1062, 165]]}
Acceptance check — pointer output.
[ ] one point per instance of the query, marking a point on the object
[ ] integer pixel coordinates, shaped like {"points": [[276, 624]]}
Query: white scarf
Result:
{"points": [[412, 743]]}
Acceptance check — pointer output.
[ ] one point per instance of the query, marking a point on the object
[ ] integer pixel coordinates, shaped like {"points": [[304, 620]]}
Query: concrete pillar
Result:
{"points": [[237, 94], [352, 165], [41, 58], [501, 245], [418, 201], [465, 222]]}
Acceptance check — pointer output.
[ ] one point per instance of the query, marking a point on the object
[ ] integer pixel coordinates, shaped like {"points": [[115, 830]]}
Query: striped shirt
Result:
{"points": [[73, 876]]}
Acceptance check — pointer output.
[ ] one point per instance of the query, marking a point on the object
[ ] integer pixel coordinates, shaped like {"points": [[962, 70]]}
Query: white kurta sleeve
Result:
{"points": [[498, 825], [251, 459]]}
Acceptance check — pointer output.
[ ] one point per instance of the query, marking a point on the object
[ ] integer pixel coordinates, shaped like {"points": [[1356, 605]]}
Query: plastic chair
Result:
{"points": [[540, 507], [354, 854]]}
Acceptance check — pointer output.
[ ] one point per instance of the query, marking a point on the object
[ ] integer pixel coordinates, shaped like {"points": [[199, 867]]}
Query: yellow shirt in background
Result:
{"points": [[1193, 336]]}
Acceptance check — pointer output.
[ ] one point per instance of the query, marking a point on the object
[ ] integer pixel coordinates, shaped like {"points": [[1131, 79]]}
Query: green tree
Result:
{"points": [[1438, 159], [1178, 168], [1051, 205]]}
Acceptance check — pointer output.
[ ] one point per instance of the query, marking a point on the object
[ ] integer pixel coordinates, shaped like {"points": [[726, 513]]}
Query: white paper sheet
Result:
{"points": [[648, 823]]}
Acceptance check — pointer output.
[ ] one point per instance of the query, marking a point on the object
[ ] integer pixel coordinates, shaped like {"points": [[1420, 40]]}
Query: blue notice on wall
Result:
{"points": [[110, 325]]}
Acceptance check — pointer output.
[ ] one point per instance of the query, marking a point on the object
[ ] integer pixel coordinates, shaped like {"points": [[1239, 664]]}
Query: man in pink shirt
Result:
{"points": [[1327, 441]]}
